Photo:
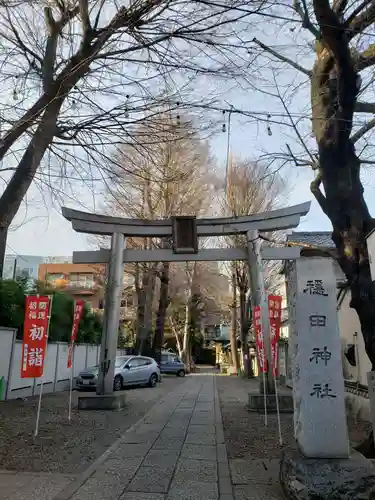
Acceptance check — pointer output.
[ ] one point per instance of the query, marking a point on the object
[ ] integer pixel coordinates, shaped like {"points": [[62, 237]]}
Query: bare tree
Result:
{"points": [[79, 75], [166, 178], [251, 188]]}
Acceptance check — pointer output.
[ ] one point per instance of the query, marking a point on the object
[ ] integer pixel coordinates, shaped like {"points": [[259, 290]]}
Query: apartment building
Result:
{"points": [[83, 281]]}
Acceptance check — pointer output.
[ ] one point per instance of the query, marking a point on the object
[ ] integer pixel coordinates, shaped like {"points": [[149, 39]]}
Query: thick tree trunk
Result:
{"points": [[334, 89], [161, 313], [22, 178], [233, 331]]}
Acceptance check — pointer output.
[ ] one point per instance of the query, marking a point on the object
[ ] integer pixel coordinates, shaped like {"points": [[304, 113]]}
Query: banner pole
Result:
{"points": [[42, 377], [71, 384], [78, 308]]}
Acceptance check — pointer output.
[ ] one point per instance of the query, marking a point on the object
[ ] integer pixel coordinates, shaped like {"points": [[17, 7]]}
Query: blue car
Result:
{"points": [[171, 364]]}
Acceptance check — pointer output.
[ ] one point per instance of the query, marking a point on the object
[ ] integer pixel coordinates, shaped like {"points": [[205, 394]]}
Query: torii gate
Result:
{"points": [[184, 232]]}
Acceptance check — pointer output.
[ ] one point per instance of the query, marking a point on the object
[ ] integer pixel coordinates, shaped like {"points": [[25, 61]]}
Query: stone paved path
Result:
{"points": [[176, 452]]}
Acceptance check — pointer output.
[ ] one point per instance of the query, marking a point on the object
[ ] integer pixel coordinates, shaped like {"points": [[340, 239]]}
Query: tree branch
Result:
{"points": [[360, 19], [363, 130], [315, 189], [366, 58], [332, 33], [364, 107], [304, 15], [339, 6], [282, 58]]}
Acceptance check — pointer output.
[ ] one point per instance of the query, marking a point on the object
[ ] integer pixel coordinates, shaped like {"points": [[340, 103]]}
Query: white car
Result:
{"points": [[129, 370]]}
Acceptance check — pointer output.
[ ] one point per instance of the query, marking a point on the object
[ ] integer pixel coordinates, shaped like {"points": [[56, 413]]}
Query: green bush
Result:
{"points": [[12, 311]]}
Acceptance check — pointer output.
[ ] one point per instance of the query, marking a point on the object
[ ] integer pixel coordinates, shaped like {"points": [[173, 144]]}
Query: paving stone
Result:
{"points": [[98, 489], [168, 443], [146, 428], [196, 470], [225, 486], [258, 492], [226, 497], [177, 424], [195, 438], [173, 432], [41, 488], [223, 469], [193, 490], [140, 438], [161, 458], [222, 453], [201, 429], [203, 421], [254, 471], [199, 452], [121, 469], [129, 451], [151, 479], [142, 496]]}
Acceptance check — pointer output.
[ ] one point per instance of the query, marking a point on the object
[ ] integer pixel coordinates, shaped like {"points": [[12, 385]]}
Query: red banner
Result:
{"points": [[78, 311], [274, 314], [257, 313], [35, 335]]}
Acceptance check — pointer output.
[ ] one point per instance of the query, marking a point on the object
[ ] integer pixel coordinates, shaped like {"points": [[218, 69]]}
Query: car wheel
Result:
{"points": [[181, 373], [117, 385], [153, 380]]}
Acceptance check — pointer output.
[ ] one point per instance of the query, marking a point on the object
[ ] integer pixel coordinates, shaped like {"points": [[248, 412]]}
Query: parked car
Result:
{"points": [[170, 363], [129, 370]]}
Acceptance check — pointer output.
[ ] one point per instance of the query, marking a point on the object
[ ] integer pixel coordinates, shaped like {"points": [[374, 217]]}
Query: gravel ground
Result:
{"points": [[245, 433], [63, 447]]}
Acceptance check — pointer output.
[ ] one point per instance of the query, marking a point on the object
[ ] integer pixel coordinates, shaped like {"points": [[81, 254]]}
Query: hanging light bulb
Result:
{"points": [[223, 128], [15, 95], [269, 131], [74, 104], [126, 113], [178, 119]]}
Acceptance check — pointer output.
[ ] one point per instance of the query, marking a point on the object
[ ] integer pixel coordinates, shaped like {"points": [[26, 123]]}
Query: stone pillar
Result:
{"points": [[111, 322], [318, 384]]}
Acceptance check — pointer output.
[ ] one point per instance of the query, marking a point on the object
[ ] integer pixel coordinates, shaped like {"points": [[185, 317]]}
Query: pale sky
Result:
{"points": [[43, 231]]}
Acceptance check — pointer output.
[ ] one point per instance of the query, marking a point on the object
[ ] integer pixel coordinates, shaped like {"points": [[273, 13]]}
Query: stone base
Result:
{"points": [[110, 402], [256, 403], [322, 479]]}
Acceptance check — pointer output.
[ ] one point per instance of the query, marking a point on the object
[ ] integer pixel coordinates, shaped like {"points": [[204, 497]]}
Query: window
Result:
{"points": [[136, 362], [82, 280], [120, 362], [164, 358], [51, 277]]}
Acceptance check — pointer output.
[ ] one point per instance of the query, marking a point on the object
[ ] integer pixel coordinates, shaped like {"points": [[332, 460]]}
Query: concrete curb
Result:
{"points": [[76, 484]]}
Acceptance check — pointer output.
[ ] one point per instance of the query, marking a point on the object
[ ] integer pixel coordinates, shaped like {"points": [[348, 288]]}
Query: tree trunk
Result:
{"points": [[140, 332], [334, 93], [22, 178], [244, 344], [150, 289], [233, 331], [162, 312], [3, 245]]}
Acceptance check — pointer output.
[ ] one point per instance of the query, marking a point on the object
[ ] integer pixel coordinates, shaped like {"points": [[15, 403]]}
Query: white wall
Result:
{"points": [[56, 374], [350, 333]]}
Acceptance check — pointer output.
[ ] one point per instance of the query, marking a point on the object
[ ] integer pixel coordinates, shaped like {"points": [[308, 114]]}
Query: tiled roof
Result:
{"points": [[317, 238]]}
